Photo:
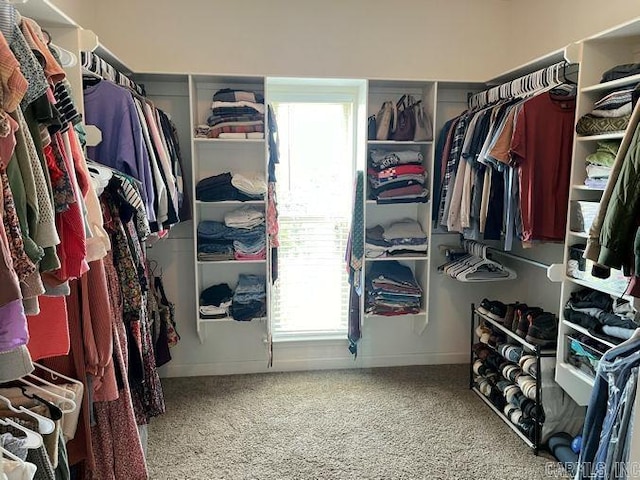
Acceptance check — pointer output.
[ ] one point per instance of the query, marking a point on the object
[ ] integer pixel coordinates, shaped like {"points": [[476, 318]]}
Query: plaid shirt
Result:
{"points": [[452, 162]]}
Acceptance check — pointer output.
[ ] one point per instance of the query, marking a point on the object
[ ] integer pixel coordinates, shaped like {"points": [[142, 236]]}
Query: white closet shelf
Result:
{"points": [[600, 288], [231, 202], [397, 257], [602, 136], [397, 142], [375, 202], [579, 234], [228, 140], [228, 320], [584, 331], [584, 188], [621, 82], [577, 373], [391, 317], [235, 262]]}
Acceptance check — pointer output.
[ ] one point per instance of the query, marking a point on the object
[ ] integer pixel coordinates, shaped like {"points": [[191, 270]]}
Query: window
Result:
{"points": [[314, 188]]}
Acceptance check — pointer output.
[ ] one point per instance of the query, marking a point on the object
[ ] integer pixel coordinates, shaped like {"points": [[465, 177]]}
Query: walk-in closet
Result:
{"points": [[319, 240]]}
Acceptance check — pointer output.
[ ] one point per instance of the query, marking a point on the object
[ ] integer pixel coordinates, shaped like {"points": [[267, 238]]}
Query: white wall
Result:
{"points": [[542, 26], [81, 11], [446, 39]]}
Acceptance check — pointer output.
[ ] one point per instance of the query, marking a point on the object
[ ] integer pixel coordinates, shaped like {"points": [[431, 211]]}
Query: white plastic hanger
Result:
{"points": [[32, 439], [45, 425], [494, 271], [55, 375], [64, 391], [8, 454], [65, 404]]}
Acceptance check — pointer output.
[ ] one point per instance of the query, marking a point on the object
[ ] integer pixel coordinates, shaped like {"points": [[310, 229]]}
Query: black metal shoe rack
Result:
{"points": [[533, 443]]}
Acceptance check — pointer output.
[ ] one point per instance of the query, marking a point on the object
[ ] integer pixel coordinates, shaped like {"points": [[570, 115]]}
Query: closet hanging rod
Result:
{"points": [[96, 64], [556, 74], [555, 271]]}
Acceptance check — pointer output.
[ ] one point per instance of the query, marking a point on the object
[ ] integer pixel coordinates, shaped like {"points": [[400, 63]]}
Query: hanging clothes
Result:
{"points": [[62, 223], [501, 167], [607, 429], [355, 262]]}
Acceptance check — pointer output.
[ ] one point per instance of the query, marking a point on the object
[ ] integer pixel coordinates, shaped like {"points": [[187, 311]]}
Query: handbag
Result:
{"points": [[371, 128], [384, 117], [424, 127], [405, 128]]}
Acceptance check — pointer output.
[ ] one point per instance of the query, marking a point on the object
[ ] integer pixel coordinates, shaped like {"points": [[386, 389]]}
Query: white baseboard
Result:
{"points": [[300, 364]]}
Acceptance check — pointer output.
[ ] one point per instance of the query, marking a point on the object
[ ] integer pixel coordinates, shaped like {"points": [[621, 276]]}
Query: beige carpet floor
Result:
{"points": [[392, 423]]}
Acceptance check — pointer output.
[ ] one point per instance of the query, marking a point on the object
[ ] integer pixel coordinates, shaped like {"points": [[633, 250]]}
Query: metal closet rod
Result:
{"points": [[519, 258]]}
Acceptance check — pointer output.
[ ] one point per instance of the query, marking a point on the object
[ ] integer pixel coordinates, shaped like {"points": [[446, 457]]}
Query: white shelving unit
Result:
{"points": [[600, 53], [380, 91], [213, 156]]}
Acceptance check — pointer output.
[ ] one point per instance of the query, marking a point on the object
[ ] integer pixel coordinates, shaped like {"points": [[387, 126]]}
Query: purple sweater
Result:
{"points": [[110, 108]]}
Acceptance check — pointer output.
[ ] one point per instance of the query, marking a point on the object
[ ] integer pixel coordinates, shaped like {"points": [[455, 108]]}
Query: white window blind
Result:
{"points": [[314, 190]]}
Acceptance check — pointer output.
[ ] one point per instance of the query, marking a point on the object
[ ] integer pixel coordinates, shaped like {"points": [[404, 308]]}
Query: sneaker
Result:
{"points": [[511, 352], [484, 333], [518, 399], [528, 427], [543, 330], [481, 350], [511, 372], [528, 386], [526, 317], [493, 309], [513, 413], [528, 364]]}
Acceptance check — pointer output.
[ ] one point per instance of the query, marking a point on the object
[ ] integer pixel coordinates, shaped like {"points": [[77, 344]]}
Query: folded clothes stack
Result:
{"points": [[583, 214], [392, 290], [234, 114], [215, 301], [218, 241], [604, 317], [600, 162], [610, 114], [250, 298], [226, 186], [403, 238], [397, 177], [248, 247]]}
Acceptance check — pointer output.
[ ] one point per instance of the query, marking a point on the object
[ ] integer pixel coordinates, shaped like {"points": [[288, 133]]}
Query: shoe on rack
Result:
{"points": [[517, 313], [518, 399], [484, 333], [511, 352], [509, 314], [528, 427], [493, 309], [525, 319], [543, 330], [511, 372], [481, 350], [528, 364], [528, 386]]}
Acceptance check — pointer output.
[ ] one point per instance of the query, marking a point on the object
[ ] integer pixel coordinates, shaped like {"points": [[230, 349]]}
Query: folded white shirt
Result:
{"points": [[250, 183], [259, 107], [403, 229], [245, 217]]}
